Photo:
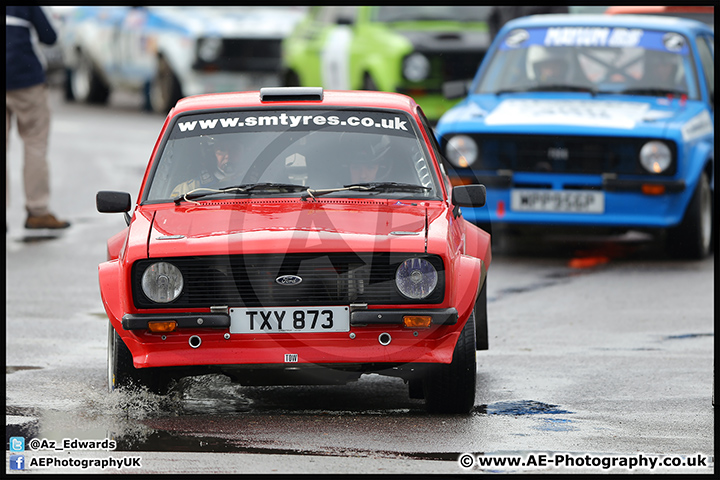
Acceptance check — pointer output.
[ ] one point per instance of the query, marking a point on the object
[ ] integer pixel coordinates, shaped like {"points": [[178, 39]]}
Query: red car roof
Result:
{"points": [[330, 98]]}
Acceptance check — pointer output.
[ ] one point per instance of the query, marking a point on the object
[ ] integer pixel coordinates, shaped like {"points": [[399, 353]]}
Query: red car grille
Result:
{"points": [[252, 280]]}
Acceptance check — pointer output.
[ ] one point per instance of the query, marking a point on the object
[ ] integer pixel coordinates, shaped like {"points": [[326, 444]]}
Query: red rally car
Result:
{"points": [[297, 236]]}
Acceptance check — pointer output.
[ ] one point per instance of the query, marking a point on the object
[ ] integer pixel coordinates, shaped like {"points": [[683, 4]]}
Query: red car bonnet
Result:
{"points": [[284, 225]]}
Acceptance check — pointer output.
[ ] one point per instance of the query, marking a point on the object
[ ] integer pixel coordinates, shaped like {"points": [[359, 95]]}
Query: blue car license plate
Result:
{"points": [[575, 201]]}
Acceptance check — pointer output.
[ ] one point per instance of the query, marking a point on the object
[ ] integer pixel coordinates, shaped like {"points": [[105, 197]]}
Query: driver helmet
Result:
{"points": [[661, 67], [549, 65], [365, 148], [211, 148]]}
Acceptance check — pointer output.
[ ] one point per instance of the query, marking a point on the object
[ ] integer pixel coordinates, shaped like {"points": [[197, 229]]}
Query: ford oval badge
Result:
{"points": [[288, 280]]}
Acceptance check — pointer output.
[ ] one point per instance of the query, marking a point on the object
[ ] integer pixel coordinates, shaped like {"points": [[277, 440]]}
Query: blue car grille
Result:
{"points": [[251, 280], [561, 154]]}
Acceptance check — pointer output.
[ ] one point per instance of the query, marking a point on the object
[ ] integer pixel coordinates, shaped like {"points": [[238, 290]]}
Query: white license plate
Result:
{"points": [[572, 201], [290, 320]]}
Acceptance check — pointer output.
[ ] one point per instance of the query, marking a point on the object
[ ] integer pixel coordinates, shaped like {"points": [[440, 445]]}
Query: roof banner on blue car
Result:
{"points": [[595, 37]]}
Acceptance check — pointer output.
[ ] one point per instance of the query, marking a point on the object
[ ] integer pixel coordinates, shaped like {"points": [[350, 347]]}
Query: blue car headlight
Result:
{"points": [[655, 157], [461, 151]]}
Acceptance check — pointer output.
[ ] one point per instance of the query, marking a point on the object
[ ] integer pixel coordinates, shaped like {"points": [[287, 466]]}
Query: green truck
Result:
{"points": [[409, 50]]}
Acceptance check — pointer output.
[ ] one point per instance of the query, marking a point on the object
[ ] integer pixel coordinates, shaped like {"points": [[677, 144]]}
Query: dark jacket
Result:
{"points": [[23, 69]]}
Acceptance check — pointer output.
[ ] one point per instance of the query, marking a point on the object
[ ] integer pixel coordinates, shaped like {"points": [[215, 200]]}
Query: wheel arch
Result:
{"points": [[469, 275]]}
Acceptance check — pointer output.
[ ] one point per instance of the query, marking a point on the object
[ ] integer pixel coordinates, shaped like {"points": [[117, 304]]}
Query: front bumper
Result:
{"points": [[628, 203], [440, 316], [376, 336]]}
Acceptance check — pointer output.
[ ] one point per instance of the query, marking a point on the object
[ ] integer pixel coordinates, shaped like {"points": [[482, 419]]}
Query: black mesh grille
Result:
{"points": [[562, 154], [445, 67], [250, 280], [460, 65], [246, 55]]}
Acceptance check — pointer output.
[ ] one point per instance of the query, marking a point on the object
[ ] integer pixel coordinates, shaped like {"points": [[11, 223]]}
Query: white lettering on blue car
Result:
{"points": [[576, 36], [610, 114], [592, 37], [698, 126]]}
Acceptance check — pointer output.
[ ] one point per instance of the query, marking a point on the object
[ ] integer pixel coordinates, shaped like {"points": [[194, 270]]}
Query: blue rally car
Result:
{"points": [[591, 121]]}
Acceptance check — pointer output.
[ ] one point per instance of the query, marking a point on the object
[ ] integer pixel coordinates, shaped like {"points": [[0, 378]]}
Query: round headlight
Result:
{"points": [[416, 67], [416, 278], [209, 49], [162, 282], [461, 151], [655, 157]]}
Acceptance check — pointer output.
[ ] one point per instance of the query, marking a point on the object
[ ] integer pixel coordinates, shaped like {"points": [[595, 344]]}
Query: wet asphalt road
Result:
{"points": [[599, 347]]}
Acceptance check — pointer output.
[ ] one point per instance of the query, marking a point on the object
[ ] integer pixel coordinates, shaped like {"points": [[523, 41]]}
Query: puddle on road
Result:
{"points": [[520, 407], [555, 425], [688, 335], [21, 422], [190, 395], [531, 407], [18, 368], [129, 416], [210, 393], [552, 279], [38, 238]]}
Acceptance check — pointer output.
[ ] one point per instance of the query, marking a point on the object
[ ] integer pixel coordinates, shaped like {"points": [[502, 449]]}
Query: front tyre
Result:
{"points": [[121, 373], [450, 388], [119, 362], [165, 90], [692, 239], [84, 83], [481, 320]]}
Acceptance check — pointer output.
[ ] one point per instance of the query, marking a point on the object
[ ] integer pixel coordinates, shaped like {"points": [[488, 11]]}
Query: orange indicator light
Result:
{"points": [[162, 326], [417, 321], [455, 181], [650, 189]]}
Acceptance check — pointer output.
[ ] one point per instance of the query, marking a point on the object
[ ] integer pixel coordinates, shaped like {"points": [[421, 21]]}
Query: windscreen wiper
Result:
{"points": [[272, 187], [562, 88], [512, 90], [389, 186], [654, 91], [369, 187], [241, 189]]}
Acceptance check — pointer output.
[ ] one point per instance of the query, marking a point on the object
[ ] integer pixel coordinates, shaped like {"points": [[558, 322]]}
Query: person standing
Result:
{"points": [[26, 101]]}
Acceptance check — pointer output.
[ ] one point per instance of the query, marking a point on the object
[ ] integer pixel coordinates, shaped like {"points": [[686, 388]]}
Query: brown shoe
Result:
{"points": [[45, 221]]}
